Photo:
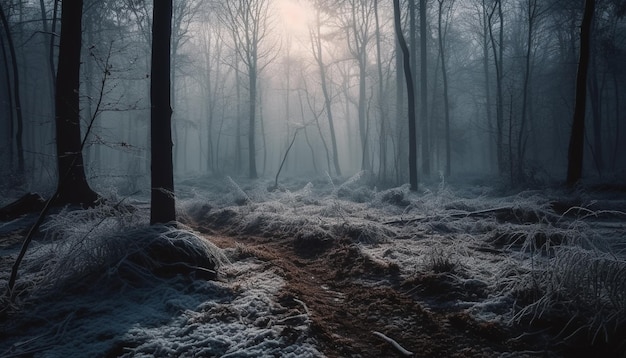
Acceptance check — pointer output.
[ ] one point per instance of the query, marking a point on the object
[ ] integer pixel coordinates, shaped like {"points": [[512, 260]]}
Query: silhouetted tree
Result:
{"points": [[72, 187], [424, 91], [410, 94], [576, 142], [162, 209], [441, 33], [16, 95]]}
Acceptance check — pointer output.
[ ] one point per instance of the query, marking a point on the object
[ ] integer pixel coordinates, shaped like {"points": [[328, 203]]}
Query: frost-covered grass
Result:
{"points": [[237, 317], [521, 257], [544, 258], [101, 282]]}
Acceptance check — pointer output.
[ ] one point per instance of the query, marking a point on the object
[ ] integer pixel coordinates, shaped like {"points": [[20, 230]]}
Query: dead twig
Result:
{"points": [[393, 343]]}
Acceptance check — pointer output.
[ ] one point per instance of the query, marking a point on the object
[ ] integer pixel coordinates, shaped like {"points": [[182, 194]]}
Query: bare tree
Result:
{"points": [[498, 54], [358, 22], [72, 184], [424, 90], [444, 74], [410, 92], [317, 50], [16, 95], [162, 209], [575, 154], [247, 21]]}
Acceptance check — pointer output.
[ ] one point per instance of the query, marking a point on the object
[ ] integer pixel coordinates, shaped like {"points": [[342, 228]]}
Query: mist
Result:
{"points": [[309, 68], [312, 178]]}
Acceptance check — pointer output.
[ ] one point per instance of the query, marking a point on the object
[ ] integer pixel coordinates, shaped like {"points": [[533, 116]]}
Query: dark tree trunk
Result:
{"points": [[410, 94], [162, 209], [72, 185], [485, 37], [11, 124], [16, 97], [576, 142], [424, 92], [381, 108], [498, 51], [444, 75]]}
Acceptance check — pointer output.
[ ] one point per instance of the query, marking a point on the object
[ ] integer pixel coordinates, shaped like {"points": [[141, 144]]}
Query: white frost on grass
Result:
{"points": [[251, 324], [177, 317]]}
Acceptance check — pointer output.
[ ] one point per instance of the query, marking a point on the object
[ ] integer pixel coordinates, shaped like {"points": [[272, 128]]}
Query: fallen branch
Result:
{"points": [[284, 159], [503, 209], [499, 210], [393, 343]]}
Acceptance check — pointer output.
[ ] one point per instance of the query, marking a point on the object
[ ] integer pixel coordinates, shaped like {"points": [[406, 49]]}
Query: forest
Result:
{"points": [[312, 178]]}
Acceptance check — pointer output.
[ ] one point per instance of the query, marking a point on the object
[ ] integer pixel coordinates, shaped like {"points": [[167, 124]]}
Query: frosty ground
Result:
{"points": [[326, 267]]}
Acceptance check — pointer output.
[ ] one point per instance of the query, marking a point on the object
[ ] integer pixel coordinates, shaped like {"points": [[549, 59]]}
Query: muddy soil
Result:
{"points": [[350, 296]]}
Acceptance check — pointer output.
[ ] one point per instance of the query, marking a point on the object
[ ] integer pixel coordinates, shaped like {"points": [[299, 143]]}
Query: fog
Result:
{"points": [[293, 178], [310, 52]]}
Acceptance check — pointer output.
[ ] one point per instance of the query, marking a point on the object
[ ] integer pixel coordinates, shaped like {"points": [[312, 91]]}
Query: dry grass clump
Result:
{"points": [[584, 288], [109, 246], [134, 257], [363, 232]]}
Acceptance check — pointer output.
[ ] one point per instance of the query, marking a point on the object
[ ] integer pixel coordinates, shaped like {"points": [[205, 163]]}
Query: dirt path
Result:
{"points": [[349, 296]]}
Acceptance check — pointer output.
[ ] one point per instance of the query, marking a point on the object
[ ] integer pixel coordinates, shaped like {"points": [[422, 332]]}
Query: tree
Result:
{"points": [[162, 209], [498, 54], [576, 142], [72, 186], [247, 22], [411, 94], [316, 48], [358, 25], [424, 91], [381, 109], [16, 95], [444, 74]]}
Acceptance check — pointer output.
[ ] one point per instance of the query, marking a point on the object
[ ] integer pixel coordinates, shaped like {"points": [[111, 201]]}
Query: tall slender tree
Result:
{"points": [[424, 91], [16, 94], [72, 187], [444, 74], [315, 33], [498, 55], [410, 93], [162, 209], [359, 20], [247, 21], [576, 142]]}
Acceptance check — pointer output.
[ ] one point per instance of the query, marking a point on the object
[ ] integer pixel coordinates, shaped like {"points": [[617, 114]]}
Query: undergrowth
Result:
{"points": [[111, 246]]}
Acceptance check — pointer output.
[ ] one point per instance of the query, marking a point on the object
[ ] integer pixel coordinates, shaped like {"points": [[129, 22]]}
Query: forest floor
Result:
{"points": [[332, 268]]}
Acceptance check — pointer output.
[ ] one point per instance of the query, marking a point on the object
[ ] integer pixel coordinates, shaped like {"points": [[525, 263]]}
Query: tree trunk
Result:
{"points": [[485, 37], [498, 51], [16, 96], [72, 184], [162, 209], [444, 75], [400, 156], [362, 114], [317, 53], [595, 94], [424, 92], [410, 94], [11, 123], [576, 142], [381, 108], [252, 77]]}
